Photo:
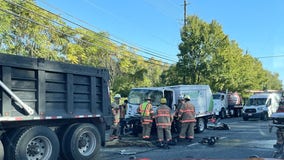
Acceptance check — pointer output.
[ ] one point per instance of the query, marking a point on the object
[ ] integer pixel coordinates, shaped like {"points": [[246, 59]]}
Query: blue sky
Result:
{"points": [[256, 25]]}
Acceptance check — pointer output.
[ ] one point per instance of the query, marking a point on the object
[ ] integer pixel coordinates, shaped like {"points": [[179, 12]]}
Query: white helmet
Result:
{"points": [[187, 97], [117, 96]]}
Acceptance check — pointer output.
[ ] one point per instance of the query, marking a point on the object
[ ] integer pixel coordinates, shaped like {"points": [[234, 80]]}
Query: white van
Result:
{"points": [[261, 105]]}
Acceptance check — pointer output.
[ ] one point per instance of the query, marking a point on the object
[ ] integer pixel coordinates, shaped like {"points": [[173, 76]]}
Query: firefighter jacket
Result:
{"points": [[163, 117], [115, 112], [178, 106], [123, 110], [187, 113], [146, 111]]}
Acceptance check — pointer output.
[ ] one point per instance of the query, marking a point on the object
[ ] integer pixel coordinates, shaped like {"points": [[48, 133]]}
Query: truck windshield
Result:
{"points": [[256, 101], [216, 96], [137, 96]]}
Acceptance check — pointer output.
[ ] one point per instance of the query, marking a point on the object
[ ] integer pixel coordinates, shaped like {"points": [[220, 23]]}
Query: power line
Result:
{"points": [[31, 20], [270, 56], [141, 49]]}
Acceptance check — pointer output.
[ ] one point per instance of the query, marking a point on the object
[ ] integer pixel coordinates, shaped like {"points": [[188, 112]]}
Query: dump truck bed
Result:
{"points": [[53, 90]]}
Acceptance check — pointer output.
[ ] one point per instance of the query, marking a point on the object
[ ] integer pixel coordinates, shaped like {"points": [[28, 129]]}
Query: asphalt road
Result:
{"points": [[242, 140]]}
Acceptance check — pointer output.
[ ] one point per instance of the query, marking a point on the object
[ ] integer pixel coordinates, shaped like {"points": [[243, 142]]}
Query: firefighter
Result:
{"points": [[280, 129], [180, 103], [164, 119], [280, 137], [186, 116], [177, 125], [114, 130], [146, 111], [123, 109]]}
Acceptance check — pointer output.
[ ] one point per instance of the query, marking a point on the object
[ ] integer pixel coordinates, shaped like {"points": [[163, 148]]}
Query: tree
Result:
{"points": [[31, 31], [200, 45], [207, 56]]}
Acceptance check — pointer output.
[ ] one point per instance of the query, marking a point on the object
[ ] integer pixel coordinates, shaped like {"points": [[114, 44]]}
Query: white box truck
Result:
{"points": [[227, 104], [201, 98], [261, 105]]}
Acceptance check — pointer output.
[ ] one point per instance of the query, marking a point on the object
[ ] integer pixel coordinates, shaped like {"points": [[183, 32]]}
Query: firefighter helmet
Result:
{"points": [[187, 97], [117, 96], [163, 100]]}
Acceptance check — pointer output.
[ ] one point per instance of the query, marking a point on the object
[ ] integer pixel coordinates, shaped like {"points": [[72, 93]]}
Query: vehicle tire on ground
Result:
{"points": [[60, 131], [200, 125], [37, 142], [81, 141], [222, 113], [7, 141], [245, 118], [264, 116], [237, 112]]}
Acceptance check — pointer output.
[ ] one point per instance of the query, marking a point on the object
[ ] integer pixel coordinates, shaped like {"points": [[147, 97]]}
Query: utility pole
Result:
{"points": [[184, 12], [184, 25]]}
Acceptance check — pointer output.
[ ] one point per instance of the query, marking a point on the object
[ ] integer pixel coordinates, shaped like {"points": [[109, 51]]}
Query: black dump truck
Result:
{"points": [[52, 110]]}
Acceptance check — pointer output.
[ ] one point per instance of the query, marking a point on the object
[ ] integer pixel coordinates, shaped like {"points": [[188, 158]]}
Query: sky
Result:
{"points": [[256, 25]]}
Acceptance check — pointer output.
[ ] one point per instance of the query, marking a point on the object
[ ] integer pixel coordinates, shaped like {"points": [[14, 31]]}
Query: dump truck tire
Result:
{"points": [[8, 141], [38, 142], [81, 141]]}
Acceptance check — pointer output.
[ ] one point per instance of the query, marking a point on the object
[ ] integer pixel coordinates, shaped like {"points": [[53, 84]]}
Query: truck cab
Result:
{"points": [[261, 106], [220, 104]]}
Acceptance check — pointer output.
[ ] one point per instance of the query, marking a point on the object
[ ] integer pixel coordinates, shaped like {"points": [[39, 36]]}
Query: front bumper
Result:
{"points": [[253, 115]]}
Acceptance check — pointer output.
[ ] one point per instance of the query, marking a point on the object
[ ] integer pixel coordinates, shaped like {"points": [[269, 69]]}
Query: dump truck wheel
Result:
{"points": [[38, 142], [8, 141], [61, 132], [81, 141]]}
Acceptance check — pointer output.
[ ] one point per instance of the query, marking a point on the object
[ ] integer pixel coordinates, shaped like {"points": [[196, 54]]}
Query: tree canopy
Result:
{"points": [[207, 55]]}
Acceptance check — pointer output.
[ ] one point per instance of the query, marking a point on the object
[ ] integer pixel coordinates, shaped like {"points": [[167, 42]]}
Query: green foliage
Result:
{"points": [[207, 56]]}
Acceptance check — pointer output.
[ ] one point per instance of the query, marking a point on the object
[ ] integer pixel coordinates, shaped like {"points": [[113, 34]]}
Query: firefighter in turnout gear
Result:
{"points": [[114, 130], [122, 122], [280, 137], [176, 123], [186, 116], [280, 129], [146, 111], [163, 119]]}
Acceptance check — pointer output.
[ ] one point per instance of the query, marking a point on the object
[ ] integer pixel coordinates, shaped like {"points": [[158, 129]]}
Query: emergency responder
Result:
{"points": [[280, 137], [177, 125], [179, 105], [186, 116], [123, 109], [280, 129], [163, 119], [114, 130], [146, 111]]}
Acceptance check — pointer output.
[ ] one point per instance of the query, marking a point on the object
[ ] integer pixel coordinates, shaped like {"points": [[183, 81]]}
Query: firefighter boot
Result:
{"points": [[181, 139], [166, 145], [160, 144]]}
